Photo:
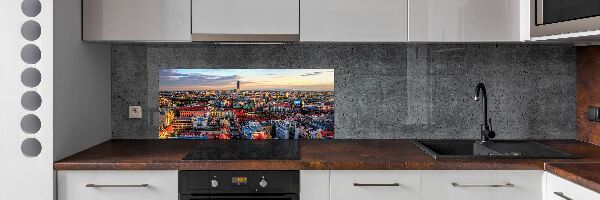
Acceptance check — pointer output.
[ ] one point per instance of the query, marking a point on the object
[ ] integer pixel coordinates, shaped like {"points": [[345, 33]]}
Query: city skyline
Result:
{"points": [[246, 104], [250, 79]]}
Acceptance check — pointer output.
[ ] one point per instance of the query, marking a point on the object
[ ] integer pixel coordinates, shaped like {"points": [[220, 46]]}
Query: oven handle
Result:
{"points": [[245, 196]]}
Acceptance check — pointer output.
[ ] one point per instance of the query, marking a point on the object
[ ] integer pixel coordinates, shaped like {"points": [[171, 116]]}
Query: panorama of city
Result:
{"points": [[246, 104]]}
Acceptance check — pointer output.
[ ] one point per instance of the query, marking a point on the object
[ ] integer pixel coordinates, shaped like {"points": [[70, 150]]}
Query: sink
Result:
{"points": [[471, 149]]}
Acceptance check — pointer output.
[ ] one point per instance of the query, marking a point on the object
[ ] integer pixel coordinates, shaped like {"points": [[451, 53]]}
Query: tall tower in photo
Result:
{"points": [[237, 88]]}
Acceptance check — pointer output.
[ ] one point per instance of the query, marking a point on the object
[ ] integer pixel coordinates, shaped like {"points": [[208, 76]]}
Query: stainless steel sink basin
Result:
{"points": [[471, 149]]}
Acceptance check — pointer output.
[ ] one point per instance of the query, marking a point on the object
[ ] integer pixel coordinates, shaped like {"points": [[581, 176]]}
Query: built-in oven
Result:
{"points": [[553, 17], [237, 197], [234, 185]]}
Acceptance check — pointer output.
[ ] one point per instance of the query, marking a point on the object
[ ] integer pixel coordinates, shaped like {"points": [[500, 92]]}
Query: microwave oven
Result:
{"points": [[556, 17]]}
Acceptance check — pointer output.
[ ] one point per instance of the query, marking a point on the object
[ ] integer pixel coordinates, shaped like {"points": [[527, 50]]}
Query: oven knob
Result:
{"points": [[263, 183], [214, 183]]}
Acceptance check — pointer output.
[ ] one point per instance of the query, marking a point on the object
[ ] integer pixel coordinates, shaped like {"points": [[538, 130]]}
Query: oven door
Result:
{"points": [[553, 17], [244, 197]]}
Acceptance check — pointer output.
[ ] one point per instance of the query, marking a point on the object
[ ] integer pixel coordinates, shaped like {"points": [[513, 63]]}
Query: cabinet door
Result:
{"points": [[353, 20], [314, 185], [468, 20], [375, 184], [560, 189], [247, 17], [136, 20], [482, 185], [117, 185]]}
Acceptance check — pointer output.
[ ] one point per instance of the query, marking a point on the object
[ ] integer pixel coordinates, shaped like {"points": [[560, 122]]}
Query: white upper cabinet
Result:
{"points": [[136, 20], [245, 20], [307, 20], [353, 20], [468, 20]]}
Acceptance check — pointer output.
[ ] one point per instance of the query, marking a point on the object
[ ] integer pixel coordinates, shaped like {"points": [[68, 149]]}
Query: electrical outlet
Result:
{"points": [[135, 112], [593, 114]]}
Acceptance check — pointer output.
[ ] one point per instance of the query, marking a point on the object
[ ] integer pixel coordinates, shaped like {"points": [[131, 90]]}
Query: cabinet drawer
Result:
{"points": [[560, 189], [482, 185], [117, 185], [379, 185]]}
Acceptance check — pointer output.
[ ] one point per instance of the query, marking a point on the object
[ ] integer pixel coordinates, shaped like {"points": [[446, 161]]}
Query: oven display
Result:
{"points": [[239, 181]]}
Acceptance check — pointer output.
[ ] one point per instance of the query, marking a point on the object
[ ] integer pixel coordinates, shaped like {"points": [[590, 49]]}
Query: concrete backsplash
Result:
{"points": [[382, 90]]}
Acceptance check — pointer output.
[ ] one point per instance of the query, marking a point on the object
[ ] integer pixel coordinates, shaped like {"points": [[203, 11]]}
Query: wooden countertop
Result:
{"points": [[584, 174], [314, 154], [331, 155]]}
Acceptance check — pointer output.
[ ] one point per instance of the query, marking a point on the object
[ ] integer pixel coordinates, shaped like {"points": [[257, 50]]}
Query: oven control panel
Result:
{"points": [[231, 182], [239, 181], [263, 183]]}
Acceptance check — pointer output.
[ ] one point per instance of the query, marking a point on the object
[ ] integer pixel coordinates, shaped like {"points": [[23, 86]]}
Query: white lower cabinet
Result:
{"points": [[482, 185], [314, 185], [117, 185], [375, 185], [341, 185], [560, 189], [436, 185]]}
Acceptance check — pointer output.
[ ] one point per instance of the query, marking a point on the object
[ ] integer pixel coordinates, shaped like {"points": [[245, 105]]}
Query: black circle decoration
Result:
{"points": [[31, 124], [31, 100], [31, 147], [31, 77], [31, 30], [31, 54], [31, 8]]}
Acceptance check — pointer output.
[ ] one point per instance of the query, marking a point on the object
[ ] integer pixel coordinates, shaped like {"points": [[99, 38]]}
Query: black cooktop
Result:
{"points": [[245, 150]]}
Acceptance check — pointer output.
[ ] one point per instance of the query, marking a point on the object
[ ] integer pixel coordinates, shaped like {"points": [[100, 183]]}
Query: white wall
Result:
{"points": [[21, 177], [75, 82], [82, 108]]}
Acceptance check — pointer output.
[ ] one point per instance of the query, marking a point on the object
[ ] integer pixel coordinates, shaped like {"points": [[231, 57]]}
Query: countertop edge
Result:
{"points": [[296, 165], [573, 177]]}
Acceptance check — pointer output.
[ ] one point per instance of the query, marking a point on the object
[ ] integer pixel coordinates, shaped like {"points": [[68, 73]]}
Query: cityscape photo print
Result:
{"points": [[246, 104]]}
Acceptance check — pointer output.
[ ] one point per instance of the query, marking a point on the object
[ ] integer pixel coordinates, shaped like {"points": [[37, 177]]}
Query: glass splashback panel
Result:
{"points": [[246, 104]]}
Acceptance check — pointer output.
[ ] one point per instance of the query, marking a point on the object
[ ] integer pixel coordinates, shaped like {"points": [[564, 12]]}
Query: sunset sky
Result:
{"points": [[250, 79]]}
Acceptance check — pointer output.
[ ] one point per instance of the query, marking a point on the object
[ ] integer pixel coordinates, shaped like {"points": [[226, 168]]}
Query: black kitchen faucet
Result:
{"points": [[486, 128]]}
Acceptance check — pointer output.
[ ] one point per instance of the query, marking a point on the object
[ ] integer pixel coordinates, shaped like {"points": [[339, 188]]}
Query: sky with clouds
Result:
{"points": [[250, 79]]}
